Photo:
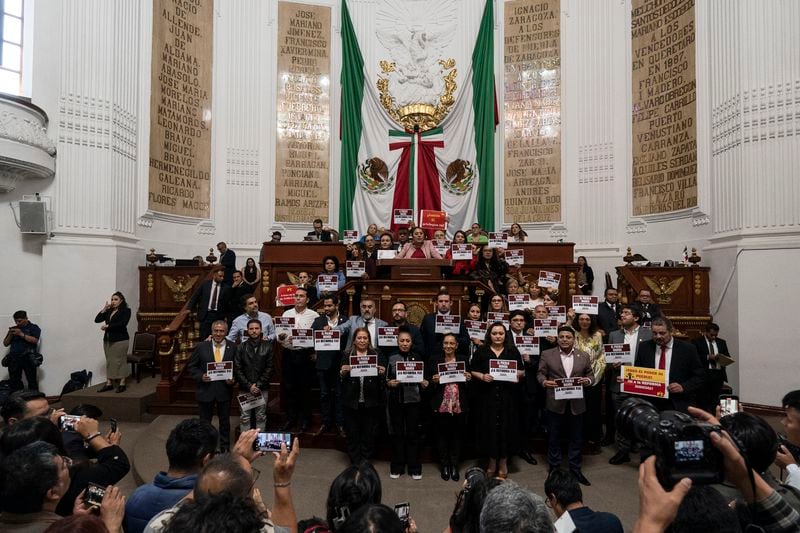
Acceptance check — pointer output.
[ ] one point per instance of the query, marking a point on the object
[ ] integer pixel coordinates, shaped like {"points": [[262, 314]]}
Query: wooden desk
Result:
{"points": [[415, 269]]}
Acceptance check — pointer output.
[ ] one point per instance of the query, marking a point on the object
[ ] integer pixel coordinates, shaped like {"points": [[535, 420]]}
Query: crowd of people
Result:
{"points": [[64, 480], [486, 383]]}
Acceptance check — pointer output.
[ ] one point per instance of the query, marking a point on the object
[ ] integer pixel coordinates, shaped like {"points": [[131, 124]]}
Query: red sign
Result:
{"points": [[429, 219], [286, 295]]}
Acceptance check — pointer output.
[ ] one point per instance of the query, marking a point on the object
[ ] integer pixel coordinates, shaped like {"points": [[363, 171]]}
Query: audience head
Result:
{"points": [[24, 404], [495, 336], [373, 518], [356, 486], [449, 344], [362, 341], [404, 340], [418, 236], [222, 247], [540, 312], [250, 263], [550, 299], [399, 311], [611, 294], [702, 510], [30, 430], [497, 304], [517, 319], [33, 478], [20, 317], [330, 264], [509, 509], [585, 321], [582, 261], [561, 489], [118, 301], [402, 235], [218, 273], [459, 237], [662, 330], [226, 473], [224, 511], [367, 307], [474, 311], [237, 277], [191, 444], [301, 297], [330, 304], [566, 338], [711, 332], [791, 419], [387, 240], [443, 301], [645, 296], [276, 236], [758, 440], [630, 315], [466, 516], [512, 286], [535, 291]]}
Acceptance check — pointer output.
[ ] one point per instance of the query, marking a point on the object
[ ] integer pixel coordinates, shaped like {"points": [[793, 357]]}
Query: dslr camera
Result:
{"points": [[681, 444]]}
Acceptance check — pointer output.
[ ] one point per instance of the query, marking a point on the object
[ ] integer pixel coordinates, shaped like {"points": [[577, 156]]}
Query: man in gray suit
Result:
{"points": [[365, 320], [208, 392], [631, 333], [565, 415]]}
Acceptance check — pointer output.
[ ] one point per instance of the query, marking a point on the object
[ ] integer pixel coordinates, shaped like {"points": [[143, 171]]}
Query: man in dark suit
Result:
{"points": [[608, 311], [649, 309], [399, 319], [320, 233], [235, 294], [328, 363], [211, 301], [634, 335], [208, 392], [433, 340], [564, 495], [709, 346], [680, 360], [565, 415], [227, 258]]}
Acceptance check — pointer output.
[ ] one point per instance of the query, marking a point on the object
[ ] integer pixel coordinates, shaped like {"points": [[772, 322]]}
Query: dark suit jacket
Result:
{"points": [[607, 319], [684, 369], [117, 329], [433, 340], [323, 236], [595, 522], [653, 310], [202, 295], [701, 344], [618, 337], [213, 390], [550, 367], [327, 359], [228, 260]]}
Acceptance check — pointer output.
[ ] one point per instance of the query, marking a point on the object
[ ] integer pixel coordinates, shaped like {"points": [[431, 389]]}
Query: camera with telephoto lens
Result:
{"points": [[473, 476], [681, 444]]}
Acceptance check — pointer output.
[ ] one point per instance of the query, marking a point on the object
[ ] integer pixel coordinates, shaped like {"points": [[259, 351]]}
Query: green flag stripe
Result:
{"points": [[483, 107], [351, 122]]}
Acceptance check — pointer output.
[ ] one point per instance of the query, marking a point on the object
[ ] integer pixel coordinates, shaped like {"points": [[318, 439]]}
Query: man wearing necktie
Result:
{"points": [[608, 313], [210, 301], [709, 347], [679, 359], [209, 392]]}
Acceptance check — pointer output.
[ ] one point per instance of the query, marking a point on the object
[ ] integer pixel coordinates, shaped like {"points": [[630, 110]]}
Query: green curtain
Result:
{"points": [[483, 103]]}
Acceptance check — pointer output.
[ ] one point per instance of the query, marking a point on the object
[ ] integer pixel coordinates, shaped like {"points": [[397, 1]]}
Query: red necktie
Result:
{"points": [[662, 363]]}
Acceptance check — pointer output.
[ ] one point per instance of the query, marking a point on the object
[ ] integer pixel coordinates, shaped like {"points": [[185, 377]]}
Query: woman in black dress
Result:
{"points": [[250, 273], [450, 404], [363, 399], [496, 401]]}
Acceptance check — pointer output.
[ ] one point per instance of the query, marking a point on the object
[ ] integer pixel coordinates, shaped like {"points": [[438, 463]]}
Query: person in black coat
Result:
{"points": [[608, 313], [585, 276], [685, 375], [497, 421], [364, 399], [115, 316], [227, 259], [208, 392], [327, 363], [404, 410], [210, 300], [709, 346], [433, 340], [450, 403], [645, 304], [252, 367]]}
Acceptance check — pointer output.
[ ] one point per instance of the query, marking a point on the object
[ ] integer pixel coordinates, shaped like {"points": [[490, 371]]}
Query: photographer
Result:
{"points": [[112, 463], [759, 444], [658, 507], [23, 338], [563, 495], [466, 515], [788, 454]]}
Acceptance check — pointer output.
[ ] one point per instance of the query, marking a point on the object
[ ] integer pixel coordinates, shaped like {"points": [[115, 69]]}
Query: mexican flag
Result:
{"points": [[437, 66]]}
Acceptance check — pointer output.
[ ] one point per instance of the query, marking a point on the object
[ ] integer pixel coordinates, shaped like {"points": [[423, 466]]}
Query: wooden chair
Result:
{"points": [[143, 353]]}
